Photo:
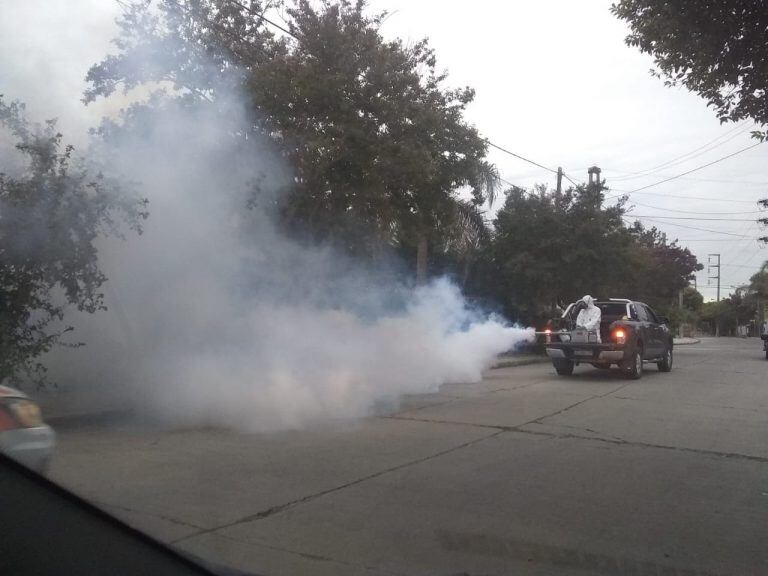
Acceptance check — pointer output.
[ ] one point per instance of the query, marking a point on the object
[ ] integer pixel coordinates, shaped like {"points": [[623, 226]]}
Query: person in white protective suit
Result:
{"points": [[589, 317]]}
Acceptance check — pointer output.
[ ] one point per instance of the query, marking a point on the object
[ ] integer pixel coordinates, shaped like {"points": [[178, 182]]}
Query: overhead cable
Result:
{"points": [[638, 190], [697, 228]]}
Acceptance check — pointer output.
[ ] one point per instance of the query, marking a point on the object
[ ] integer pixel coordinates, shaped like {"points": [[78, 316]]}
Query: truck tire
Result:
{"points": [[563, 367], [665, 364], [633, 368]]}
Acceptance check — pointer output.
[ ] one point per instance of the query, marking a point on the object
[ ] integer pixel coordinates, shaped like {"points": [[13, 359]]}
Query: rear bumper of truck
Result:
{"points": [[589, 353]]}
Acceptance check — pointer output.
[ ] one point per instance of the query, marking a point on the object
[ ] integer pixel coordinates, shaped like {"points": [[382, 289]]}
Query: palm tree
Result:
{"points": [[465, 226]]}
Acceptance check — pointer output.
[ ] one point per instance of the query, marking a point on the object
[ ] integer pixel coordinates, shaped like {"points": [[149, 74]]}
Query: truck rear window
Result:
{"points": [[614, 309]]}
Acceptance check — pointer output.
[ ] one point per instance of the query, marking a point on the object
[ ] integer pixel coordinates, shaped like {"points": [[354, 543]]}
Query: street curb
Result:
{"points": [[695, 341]]}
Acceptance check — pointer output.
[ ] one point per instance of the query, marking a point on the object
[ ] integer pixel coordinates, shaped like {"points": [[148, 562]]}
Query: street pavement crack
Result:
{"points": [[510, 388], [607, 438], [634, 443], [697, 404], [304, 499], [540, 419], [417, 408], [585, 429], [499, 427]]}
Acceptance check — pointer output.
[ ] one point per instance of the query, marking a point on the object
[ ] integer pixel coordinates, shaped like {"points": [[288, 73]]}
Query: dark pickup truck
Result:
{"points": [[630, 333]]}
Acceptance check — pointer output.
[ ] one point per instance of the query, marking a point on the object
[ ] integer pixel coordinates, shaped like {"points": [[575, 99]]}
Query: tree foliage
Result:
{"points": [[758, 283], [742, 308], [715, 48], [379, 147], [50, 215], [692, 299], [550, 248], [665, 267]]}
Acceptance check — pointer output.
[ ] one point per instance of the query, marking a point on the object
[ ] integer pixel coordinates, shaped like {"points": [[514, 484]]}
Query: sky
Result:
{"points": [[555, 84]]}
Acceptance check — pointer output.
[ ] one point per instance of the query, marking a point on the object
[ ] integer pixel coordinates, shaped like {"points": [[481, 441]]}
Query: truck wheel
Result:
{"points": [[633, 368], [665, 365], [563, 367]]}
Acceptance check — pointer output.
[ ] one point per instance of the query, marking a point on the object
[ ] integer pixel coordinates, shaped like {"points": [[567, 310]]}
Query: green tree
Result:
{"points": [[50, 216], [378, 145], [666, 270], [692, 299], [551, 248], [758, 283], [741, 308], [715, 48], [714, 314]]}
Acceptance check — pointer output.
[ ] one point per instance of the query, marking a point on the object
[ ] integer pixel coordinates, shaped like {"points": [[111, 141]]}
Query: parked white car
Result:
{"points": [[23, 434]]}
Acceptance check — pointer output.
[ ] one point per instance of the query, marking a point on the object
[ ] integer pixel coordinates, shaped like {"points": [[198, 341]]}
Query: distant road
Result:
{"points": [[523, 473]]}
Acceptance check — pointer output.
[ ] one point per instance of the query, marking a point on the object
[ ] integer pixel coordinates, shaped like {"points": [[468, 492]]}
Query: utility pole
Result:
{"points": [[594, 171], [710, 266], [559, 179]]}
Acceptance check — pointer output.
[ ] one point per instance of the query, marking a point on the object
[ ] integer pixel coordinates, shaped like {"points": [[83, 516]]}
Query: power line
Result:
{"points": [[529, 161], [732, 286], [570, 179], [743, 265], [718, 240], [689, 155], [740, 256], [728, 200], [693, 212], [739, 247], [520, 157], [510, 183], [264, 18], [716, 180], [699, 229], [693, 218], [637, 190]]}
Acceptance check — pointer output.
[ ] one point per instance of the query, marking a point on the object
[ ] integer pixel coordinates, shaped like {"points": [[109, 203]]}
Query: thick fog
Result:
{"points": [[215, 317]]}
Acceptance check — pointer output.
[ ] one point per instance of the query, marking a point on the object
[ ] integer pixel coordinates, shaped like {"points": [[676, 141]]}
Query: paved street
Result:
{"points": [[523, 473]]}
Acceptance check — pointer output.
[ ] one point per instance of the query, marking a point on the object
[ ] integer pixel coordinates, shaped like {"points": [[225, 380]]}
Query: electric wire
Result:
{"points": [[688, 156], [692, 218], [261, 16], [721, 159], [730, 201], [694, 212], [519, 157], [697, 228]]}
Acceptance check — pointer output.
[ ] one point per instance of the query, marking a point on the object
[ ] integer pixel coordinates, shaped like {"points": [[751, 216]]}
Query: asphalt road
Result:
{"points": [[523, 473]]}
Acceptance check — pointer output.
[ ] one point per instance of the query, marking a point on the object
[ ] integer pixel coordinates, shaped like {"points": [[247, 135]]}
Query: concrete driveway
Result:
{"points": [[523, 473]]}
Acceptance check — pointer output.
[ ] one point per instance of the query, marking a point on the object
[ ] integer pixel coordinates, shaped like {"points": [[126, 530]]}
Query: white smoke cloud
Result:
{"points": [[215, 317]]}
